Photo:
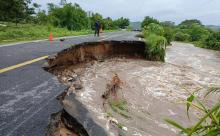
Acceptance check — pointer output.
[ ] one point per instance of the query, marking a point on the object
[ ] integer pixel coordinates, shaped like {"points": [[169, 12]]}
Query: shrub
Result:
{"points": [[189, 23], [180, 36], [155, 47], [198, 32], [153, 29], [213, 41], [168, 34], [148, 20]]}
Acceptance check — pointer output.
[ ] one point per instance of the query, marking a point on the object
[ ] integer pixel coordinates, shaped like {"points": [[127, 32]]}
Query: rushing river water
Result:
{"points": [[186, 55], [153, 90]]}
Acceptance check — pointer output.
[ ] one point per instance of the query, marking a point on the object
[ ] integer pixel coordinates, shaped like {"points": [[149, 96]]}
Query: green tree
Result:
{"points": [[169, 34], [37, 6], [213, 41], [51, 7], [15, 10], [180, 36], [153, 28], [189, 23], [168, 24], [108, 24], [198, 32], [42, 18], [63, 2], [73, 17], [122, 22], [148, 20]]}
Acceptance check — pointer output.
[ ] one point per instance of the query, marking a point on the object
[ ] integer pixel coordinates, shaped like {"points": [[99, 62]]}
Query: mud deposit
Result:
{"points": [[151, 91]]}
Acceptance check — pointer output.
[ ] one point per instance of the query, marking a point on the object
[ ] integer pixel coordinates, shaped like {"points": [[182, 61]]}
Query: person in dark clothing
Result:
{"points": [[97, 28]]}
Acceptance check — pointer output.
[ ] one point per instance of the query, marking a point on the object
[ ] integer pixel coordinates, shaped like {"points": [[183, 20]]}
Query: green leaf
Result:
{"points": [[175, 124], [189, 101], [213, 132], [214, 109]]}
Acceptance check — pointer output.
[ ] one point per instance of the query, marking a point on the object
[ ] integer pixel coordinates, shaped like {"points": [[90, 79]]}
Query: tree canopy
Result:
{"points": [[122, 22], [15, 10], [188, 30], [189, 23], [70, 16], [65, 15], [148, 20]]}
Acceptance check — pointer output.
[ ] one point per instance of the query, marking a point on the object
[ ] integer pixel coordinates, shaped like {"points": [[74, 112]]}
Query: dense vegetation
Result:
{"points": [[157, 37], [24, 20], [187, 31], [193, 31]]}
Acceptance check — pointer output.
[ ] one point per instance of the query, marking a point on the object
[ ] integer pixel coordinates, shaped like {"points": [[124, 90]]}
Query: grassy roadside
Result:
{"points": [[28, 32]]}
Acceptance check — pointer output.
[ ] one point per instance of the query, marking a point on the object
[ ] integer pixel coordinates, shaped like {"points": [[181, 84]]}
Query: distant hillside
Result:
{"points": [[135, 25], [213, 27]]}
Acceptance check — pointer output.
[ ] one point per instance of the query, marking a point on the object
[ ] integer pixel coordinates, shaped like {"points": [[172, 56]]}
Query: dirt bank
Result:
{"points": [[70, 64], [87, 52]]}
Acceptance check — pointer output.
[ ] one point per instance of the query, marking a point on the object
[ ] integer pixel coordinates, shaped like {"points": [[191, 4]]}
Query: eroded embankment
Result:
{"points": [[98, 51], [69, 65], [62, 124]]}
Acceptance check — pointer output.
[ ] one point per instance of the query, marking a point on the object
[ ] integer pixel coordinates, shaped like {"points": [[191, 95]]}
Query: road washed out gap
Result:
{"points": [[113, 89]]}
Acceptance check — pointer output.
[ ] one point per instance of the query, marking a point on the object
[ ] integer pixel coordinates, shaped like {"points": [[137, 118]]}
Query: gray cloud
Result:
{"points": [[207, 11]]}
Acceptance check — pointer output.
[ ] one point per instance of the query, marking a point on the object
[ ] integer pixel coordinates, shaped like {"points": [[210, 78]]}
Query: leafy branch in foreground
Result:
{"points": [[208, 124]]}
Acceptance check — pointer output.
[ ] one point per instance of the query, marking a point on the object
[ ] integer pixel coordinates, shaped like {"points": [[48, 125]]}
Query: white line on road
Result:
{"points": [[44, 57]]}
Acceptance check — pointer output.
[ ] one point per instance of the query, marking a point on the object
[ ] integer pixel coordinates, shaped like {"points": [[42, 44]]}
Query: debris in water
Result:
{"points": [[113, 87]]}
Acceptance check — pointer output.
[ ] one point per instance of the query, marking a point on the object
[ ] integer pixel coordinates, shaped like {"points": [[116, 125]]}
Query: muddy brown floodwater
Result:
{"points": [[153, 90]]}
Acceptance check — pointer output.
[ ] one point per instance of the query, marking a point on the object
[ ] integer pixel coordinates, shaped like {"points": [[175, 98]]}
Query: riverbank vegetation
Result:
{"points": [[22, 20], [159, 34], [192, 31], [26, 32], [155, 42], [156, 37]]}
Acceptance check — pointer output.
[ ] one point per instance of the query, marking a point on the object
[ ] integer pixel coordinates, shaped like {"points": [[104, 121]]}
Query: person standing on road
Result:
{"points": [[97, 28]]}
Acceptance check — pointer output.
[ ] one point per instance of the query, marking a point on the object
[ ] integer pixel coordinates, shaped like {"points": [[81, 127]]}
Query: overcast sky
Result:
{"points": [[208, 11]]}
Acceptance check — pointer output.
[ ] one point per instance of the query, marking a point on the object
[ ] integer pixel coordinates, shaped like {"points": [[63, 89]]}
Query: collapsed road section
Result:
{"points": [[70, 66]]}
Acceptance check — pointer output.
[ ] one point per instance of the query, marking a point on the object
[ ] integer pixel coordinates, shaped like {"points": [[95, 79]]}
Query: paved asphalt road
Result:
{"points": [[27, 94]]}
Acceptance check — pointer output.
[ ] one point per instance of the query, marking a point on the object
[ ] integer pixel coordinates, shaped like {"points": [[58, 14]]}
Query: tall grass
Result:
{"points": [[155, 42], [208, 124], [155, 47], [25, 32]]}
